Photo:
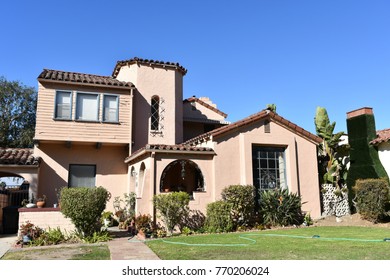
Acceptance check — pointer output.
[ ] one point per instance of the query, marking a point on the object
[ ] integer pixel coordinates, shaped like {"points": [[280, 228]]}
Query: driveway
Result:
{"points": [[6, 242]]}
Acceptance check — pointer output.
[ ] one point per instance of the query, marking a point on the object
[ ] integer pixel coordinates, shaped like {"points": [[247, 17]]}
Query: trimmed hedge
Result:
{"points": [[84, 206], [242, 200], [372, 198], [218, 217]]}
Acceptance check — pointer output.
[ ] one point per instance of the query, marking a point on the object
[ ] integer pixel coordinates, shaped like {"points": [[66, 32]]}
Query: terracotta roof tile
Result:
{"points": [[194, 99], [149, 62], [382, 136], [88, 79], [18, 156], [167, 148], [261, 115]]}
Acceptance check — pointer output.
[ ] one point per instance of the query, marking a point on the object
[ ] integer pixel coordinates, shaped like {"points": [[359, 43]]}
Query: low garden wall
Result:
{"points": [[45, 218]]}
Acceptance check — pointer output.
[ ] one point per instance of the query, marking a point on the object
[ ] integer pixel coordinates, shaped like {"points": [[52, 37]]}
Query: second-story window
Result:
{"points": [[110, 108], [154, 113], [87, 107], [63, 109]]}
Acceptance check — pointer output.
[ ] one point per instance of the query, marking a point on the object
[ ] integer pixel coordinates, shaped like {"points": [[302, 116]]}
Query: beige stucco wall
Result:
{"points": [[233, 165], [47, 219], [168, 85], [111, 171], [47, 128]]}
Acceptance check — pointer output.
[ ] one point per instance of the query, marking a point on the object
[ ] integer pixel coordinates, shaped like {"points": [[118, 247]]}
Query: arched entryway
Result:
{"points": [[182, 175]]}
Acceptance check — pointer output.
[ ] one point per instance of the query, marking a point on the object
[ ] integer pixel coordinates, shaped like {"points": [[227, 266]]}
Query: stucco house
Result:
{"points": [[134, 132]]}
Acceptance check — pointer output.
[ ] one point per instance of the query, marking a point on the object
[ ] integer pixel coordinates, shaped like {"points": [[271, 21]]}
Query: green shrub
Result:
{"points": [[218, 217], [98, 236], [279, 207], [242, 200], [172, 207], [372, 198], [84, 206]]}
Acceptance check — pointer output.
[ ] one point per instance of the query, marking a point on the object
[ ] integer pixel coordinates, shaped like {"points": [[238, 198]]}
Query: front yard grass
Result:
{"points": [[267, 245], [75, 252]]}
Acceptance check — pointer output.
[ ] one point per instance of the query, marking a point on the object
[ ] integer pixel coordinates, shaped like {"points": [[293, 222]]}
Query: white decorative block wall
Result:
{"points": [[334, 205]]}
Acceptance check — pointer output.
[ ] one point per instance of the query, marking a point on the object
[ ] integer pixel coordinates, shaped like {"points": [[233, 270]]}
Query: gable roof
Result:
{"points": [[265, 114], [148, 62], [382, 136], [81, 78], [18, 156], [180, 148], [195, 99]]}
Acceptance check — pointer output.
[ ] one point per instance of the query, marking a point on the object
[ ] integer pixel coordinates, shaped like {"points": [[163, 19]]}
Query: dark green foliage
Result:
{"points": [[364, 157], [144, 223], [242, 200], [218, 217], [194, 221], [280, 208], [372, 198], [172, 207], [17, 114], [84, 206]]}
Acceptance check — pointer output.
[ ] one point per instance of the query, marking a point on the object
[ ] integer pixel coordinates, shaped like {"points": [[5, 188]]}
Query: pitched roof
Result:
{"points": [[169, 148], [194, 99], [382, 136], [265, 114], [148, 62], [87, 79], [18, 156]]}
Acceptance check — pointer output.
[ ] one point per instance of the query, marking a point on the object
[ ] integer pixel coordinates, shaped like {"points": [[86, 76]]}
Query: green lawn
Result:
{"points": [[334, 243], [77, 252]]}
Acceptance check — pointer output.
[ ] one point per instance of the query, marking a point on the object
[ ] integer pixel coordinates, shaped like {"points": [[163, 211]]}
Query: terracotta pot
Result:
{"points": [[40, 204]]}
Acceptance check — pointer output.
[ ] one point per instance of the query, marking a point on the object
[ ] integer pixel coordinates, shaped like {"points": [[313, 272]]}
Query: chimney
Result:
{"points": [[359, 112], [364, 157]]}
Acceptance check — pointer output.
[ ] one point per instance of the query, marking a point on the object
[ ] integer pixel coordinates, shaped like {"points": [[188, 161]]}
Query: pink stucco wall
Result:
{"points": [[111, 171], [168, 85]]}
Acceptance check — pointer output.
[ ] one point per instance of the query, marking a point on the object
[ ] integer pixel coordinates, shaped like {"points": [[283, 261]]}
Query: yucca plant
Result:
{"points": [[280, 208]]}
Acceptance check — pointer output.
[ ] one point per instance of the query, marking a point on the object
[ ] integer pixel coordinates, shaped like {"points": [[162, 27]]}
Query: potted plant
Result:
{"points": [[41, 201]]}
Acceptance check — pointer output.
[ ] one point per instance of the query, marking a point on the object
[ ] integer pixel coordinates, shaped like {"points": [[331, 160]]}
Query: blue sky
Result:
{"points": [[241, 54]]}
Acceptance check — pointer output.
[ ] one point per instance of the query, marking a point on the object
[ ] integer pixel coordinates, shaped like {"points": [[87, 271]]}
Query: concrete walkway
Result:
{"points": [[125, 247], [6, 242]]}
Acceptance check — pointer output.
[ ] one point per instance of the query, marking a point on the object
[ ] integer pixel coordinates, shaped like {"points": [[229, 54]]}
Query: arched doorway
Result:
{"points": [[182, 175]]}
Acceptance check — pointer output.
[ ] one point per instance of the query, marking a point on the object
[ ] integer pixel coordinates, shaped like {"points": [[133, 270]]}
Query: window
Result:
{"points": [[269, 171], [63, 106], [82, 175], [155, 114], [87, 108], [110, 108]]}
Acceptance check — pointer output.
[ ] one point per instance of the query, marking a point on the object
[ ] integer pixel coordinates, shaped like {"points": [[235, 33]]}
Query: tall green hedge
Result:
{"points": [[364, 157], [84, 206], [372, 198]]}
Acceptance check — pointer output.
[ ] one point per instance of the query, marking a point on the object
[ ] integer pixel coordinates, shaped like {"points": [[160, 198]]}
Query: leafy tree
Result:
{"points": [[17, 114]]}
